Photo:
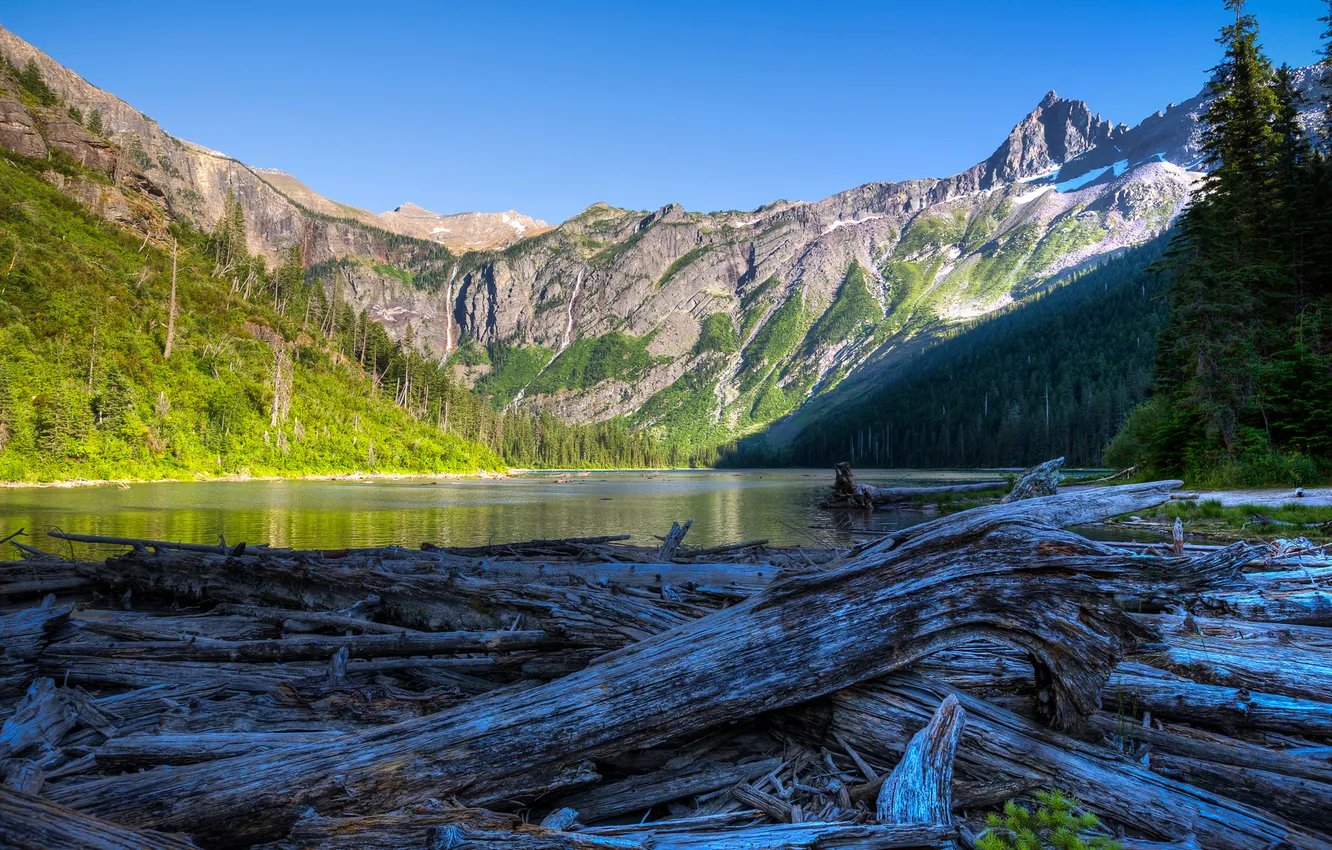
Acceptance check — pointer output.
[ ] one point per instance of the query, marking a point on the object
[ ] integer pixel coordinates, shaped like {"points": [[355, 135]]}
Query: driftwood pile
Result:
{"points": [[589, 694]]}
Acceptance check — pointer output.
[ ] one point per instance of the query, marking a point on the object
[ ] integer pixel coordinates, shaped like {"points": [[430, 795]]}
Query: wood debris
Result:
{"points": [[587, 693]]}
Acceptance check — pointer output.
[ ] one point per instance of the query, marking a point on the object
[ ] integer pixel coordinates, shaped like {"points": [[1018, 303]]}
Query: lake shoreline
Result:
{"points": [[71, 483]]}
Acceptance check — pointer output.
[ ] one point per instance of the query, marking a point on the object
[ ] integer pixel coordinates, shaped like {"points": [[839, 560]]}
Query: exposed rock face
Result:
{"points": [[18, 128], [1055, 132]]}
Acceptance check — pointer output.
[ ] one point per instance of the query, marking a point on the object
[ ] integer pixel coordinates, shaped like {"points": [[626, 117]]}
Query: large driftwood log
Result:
{"points": [[1041, 480], [593, 615], [1137, 688], [849, 493], [314, 647], [31, 823], [475, 829], [1290, 785], [805, 635], [876, 717]]}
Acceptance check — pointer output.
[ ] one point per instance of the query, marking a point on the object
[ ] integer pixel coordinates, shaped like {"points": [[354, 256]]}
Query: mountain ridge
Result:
{"points": [[645, 315]]}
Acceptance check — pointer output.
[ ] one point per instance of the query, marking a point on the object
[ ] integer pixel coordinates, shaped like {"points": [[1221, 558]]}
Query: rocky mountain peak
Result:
{"points": [[1056, 131]]}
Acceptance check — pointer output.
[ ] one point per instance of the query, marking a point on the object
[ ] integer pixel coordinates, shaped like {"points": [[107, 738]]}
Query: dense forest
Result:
{"points": [[182, 355], [1055, 375], [1243, 389]]}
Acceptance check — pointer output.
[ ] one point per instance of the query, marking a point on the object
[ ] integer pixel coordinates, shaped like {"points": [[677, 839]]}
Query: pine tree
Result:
{"points": [[95, 122], [30, 78]]}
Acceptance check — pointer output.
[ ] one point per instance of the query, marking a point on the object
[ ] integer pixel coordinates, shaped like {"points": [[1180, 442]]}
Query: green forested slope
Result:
{"points": [[1053, 376], [86, 391]]}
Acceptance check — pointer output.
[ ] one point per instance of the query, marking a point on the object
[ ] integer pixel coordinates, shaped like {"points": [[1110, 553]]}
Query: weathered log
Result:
{"points": [[877, 717], [1311, 607], [798, 836], [1040, 480], [772, 806], [1231, 752], [438, 828], [643, 792], [848, 493], [31, 823], [674, 538], [1136, 688], [22, 775], [920, 788], [41, 719], [139, 543], [136, 625], [312, 619], [1304, 801], [1267, 666], [128, 751], [1063, 510], [815, 632], [427, 602], [313, 647], [22, 637]]}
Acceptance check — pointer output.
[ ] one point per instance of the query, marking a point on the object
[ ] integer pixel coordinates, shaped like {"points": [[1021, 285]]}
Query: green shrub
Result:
{"points": [[1060, 822]]}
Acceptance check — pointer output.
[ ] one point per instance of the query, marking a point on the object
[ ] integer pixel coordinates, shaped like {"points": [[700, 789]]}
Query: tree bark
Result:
{"points": [[31, 823]]}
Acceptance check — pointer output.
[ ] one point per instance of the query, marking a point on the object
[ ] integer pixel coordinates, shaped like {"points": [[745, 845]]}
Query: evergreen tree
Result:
{"points": [[95, 122], [1245, 359], [30, 78]]}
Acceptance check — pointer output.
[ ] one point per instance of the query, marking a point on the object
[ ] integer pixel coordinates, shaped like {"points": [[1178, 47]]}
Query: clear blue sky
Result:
{"points": [[547, 107]]}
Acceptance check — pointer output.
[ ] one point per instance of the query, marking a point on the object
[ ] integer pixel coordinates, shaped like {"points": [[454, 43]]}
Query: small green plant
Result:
{"points": [[1060, 822]]}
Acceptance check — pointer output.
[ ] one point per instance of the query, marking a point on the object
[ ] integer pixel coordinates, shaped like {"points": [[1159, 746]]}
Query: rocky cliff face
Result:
{"points": [[705, 326], [462, 232]]}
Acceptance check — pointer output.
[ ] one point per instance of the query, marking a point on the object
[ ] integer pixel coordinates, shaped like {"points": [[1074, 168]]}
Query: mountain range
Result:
{"points": [[701, 327]]}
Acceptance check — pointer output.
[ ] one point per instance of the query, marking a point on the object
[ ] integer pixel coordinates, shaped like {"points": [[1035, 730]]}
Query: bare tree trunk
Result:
{"points": [[171, 313]]}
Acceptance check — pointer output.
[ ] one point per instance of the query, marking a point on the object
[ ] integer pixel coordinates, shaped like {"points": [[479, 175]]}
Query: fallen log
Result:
{"points": [[41, 719], [1230, 752], [799, 836], [643, 792], [31, 823], [1066, 509], [671, 544], [848, 493], [1304, 801], [1267, 666], [815, 632], [313, 647], [133, 751], [1136, 688], [22, 637], [877, 717], [429, 602], [312, 619], [1040, 480]]}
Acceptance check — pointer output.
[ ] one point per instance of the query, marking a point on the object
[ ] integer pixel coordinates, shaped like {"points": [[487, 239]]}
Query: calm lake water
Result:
{"points": [[726, 506]]}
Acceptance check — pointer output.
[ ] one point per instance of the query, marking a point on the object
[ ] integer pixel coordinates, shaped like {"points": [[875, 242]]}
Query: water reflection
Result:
{"points": [[780, 505]]}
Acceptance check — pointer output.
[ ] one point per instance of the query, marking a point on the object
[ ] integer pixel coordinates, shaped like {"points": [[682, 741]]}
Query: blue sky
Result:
{"points": [[549, 107]]}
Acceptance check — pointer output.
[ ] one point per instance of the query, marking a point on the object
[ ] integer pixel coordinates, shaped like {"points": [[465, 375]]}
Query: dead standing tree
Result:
{"points": [[282, 381]]}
